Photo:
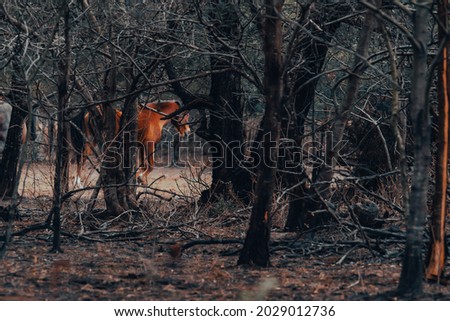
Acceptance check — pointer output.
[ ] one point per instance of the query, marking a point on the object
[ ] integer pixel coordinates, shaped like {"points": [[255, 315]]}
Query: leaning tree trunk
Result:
{"points": [[343, 112], [437, 255], [313, 54], [256, 246], [412, 268]]}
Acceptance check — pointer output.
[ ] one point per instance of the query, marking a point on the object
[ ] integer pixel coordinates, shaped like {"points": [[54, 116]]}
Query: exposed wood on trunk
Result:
{"points": [[437, 255]]}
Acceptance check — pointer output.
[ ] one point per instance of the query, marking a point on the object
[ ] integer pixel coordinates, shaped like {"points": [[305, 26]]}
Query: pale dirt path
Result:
{"points": [[37, 179]]}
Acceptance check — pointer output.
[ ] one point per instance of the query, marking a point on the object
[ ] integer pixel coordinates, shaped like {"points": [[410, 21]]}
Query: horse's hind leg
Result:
{"points": [[142, 166], [149, 162], [81, 160], [77, 180]]}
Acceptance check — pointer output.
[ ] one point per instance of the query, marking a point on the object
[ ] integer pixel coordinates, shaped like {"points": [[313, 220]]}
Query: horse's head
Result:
{"points": [[181, 123]]}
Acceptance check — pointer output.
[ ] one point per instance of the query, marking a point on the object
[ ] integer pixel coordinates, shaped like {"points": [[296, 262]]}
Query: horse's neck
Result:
{"points": [[162, 122], [169, 107]]}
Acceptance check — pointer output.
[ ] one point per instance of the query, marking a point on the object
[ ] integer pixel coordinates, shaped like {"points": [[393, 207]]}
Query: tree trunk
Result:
{"points": [[111, 170], [412, 268], [313, 54], [256, 246], [18, 98], [62, 148], [225, 129], [343, 111], [437, 255], [129, 136], [5, 118]]}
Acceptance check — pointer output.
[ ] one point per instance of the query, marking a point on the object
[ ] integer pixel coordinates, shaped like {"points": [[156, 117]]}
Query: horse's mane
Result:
{"points": [[176, 101], [160, 103]]}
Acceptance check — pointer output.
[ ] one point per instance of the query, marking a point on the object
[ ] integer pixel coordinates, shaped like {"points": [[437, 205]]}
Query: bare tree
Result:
{"points": [[223, 107], [226, 118], [62, 151], [18, 97], [412, 268], [256, 246], [308, 55], [438, 253], [343, 111]]}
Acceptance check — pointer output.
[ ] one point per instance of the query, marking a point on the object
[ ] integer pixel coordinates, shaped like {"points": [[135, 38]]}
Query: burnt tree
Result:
{"points": [[225, 126], [222, 124], [344, 110], [113, 178], [412, 267], [311, 52], [18, 97], [437, 251], [256, 247], [62, 150]]}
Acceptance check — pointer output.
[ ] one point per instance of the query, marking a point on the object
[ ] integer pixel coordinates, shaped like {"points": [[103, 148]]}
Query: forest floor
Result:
{"points": [[138, 256]]}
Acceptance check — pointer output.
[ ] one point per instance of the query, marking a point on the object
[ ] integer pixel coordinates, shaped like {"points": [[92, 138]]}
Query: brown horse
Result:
{"points": [[150, 127]]}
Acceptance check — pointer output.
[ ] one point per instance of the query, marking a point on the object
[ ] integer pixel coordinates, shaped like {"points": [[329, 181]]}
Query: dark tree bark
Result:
{"points": [[256, 246], [412, 267], [298, 197], [111, 171], [437, 252], [5, 117], [128, 135], [18, 98], [312, 52], [105, 121], [343, 111], [62, 150], [113, 176], [225, 130]]}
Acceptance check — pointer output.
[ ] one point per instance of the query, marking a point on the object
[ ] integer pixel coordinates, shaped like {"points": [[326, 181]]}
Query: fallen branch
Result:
{"points": [[209, 242], [34, 227], [358, 224], [176, 249]]}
